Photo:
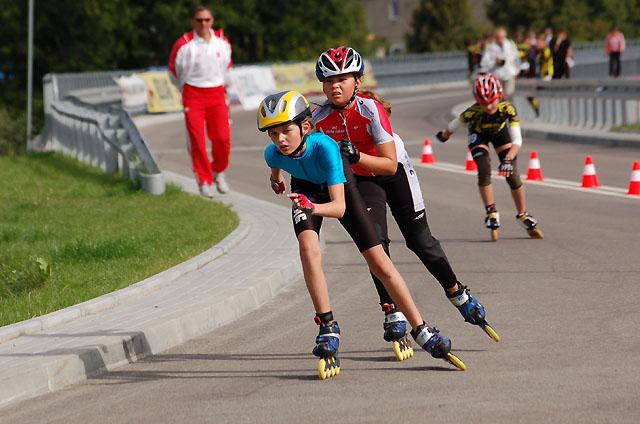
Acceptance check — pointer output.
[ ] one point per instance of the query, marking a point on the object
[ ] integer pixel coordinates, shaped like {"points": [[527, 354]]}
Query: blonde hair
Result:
{"points": [[372, 94]]}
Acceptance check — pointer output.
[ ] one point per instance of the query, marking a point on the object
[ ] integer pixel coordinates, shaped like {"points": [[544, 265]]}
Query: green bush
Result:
{"points": [[12, 132]]}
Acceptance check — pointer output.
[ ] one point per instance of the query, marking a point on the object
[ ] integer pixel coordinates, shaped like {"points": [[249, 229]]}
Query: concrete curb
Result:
{"points": [[611, 139], [124, 326]]}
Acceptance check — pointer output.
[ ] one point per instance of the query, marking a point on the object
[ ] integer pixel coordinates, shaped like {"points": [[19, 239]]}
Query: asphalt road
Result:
{"points": [[566, 307]]}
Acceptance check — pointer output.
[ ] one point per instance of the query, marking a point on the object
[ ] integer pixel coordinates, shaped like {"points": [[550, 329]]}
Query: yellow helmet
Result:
{"points": [[280, 108]]}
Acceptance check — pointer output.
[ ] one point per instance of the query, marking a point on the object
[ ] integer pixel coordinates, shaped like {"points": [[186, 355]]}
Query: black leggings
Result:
{"points": [[395, 190], [355, 219]]}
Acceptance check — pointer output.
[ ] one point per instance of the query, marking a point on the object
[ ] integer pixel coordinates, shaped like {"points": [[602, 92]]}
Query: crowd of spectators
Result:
{"points": [[545, 55]]}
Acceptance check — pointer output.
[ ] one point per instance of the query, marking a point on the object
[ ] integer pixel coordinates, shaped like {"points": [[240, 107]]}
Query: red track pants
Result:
{"points": [[207, 106]]}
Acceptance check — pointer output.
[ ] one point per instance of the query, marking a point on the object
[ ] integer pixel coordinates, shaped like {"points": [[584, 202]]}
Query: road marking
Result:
{"points": [[548, 182], [416, 99]]}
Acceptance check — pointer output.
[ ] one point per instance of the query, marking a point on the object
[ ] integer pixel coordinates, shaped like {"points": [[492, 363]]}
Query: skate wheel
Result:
{"points": [[491, 332], [402, 349], [322, 365], [536, 233], [455, 361], [494, 234], [328, 367]]}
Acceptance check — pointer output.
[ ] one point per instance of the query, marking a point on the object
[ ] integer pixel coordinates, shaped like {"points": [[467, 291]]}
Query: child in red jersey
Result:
{"points": [[384, 176]]}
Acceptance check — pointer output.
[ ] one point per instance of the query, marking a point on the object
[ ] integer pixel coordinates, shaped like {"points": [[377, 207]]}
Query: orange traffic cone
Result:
{"points": [[589, 176], [535, 172], [470, 165], [634, 181], [427, 152]]}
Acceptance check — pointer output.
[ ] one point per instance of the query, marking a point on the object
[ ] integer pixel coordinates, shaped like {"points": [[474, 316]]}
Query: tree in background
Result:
{"points": [[440, 25], [99, 35], [584, 19]]}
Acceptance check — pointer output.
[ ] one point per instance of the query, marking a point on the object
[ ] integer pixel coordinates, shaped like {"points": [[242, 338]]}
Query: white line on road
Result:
{"points": [[548, 182]]}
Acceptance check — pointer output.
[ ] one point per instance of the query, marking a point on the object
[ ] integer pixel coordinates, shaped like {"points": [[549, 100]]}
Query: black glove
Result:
{"points": [[350, 151], [440, 136], [506, 168]]}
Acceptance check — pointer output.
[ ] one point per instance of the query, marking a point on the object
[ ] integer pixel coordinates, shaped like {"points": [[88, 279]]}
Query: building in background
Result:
{"points": [[390, 20]]}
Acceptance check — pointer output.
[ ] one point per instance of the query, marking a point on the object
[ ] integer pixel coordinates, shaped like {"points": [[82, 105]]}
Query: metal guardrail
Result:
{"points": [[592, 104], [429, 68], [84, 119]]}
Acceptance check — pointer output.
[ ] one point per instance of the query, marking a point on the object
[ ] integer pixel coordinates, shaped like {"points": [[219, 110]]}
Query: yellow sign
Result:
{"points": [[302, 77], [163, 95]]}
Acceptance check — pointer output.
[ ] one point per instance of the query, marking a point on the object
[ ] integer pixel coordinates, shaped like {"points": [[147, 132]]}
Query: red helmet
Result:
{"points": [[339, 61], [487, 88]]}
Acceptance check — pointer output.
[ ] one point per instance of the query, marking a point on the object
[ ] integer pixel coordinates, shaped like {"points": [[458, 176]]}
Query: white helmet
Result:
{"points": [[339, 61]]}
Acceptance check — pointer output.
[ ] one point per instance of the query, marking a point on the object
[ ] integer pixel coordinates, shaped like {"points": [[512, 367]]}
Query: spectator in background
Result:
{"points": [[200, 61], [474, 54], [614, 46], [532, 54], [562, 53], [545, 59], [548, 36], [501, 58]]}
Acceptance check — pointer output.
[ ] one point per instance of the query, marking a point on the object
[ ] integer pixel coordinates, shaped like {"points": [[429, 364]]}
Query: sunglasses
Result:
{"points": [[202, 20]]}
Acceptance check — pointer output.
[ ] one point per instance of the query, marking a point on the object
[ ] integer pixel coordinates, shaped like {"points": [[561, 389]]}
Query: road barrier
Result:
{"points": [[591, 104], [431, 68], [84, 119]]}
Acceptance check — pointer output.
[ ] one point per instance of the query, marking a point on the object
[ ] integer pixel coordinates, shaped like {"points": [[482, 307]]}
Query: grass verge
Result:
{"points": [[632, 128], [69, 233]]}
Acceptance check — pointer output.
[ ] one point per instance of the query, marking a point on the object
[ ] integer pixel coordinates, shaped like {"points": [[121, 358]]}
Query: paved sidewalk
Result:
{"points": [[570, 134], [211, 290]]}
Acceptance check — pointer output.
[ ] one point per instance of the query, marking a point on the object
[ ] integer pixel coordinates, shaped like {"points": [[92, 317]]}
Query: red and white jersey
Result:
{"points": [[365, 124], [201, 63], [614, 43], [412, 177]]}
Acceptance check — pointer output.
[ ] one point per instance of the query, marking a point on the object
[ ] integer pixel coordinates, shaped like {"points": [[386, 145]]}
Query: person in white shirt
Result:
{"points": [[200, 61], [502, 59]]}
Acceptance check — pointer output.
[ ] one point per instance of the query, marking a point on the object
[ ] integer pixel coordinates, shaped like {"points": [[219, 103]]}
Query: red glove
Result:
{"points": [[277, 186], [302, 202]]}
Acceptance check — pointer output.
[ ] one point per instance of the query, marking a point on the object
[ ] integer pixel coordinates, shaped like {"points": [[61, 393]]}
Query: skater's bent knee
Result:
{"points": [[309, 244], [379, 263], [483, 162], [514, 181], [422, 242]]}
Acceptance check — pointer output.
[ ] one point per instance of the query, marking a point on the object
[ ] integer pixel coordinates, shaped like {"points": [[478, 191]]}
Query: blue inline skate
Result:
{"points": [[430, 339], [471, 310], [395, 331], [326, 349]]}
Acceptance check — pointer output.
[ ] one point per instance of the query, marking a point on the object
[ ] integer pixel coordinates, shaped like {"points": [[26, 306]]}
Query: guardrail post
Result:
{"points": [[608, 113], [599, 112], [566, 111], [618, 114]]}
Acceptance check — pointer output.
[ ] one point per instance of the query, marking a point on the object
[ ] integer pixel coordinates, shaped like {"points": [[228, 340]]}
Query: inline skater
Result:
{"points": [[384, 175], [494, 120], [322, 185]]}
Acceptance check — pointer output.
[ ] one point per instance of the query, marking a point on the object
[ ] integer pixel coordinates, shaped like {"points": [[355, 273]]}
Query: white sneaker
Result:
{"points": [[205, 191], [221, 183]]}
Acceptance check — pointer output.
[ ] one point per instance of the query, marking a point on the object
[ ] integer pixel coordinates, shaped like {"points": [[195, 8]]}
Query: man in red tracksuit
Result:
{"points": [[614, 46], [200, 60]]}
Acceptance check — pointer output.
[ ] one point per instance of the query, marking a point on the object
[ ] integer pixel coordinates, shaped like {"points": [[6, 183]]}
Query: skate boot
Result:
{"points": [[471, 310], [326, 349], [438, 346], [492, 220], [530, 224], [395, 330]]}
